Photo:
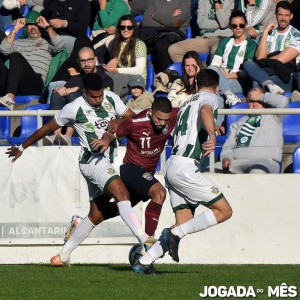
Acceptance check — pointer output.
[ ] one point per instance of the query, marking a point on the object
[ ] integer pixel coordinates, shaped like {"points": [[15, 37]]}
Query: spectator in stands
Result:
{"points": [[36, 5], [296, 11], [129, 56], [277, 52], [164, 23], [229, 57], [140, 99], [213, 20], [182, 88], [254, 144], [258, 14], [105, 25], [29, 58], [69, 18], [74, 89]]}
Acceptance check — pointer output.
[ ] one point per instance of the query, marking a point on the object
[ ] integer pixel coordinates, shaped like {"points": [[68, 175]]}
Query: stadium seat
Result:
{"points": [[26, 99], [296, 160], [188, 33], [88, 32], [4, 125], [25, 9], [150, 78], [138, 19], [176, 67], [10, 28], [291, 126], [29, 124]]}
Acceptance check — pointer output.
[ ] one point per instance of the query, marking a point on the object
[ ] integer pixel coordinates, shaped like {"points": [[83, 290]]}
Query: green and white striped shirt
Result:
{"points": [[231, 56], [279, 41], [189, 133], [91, 122]]}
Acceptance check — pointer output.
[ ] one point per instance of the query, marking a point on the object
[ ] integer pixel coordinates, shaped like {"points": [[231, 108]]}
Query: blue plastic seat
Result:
{"points": [[26, 99], [138, 19], [4, 125], [296, 160], [88, 32], [29, 124], [291, 126], [150, 78], [176, 67], [10, 28]]}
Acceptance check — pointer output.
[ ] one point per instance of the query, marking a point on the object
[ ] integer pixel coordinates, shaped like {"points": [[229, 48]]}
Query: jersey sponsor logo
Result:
{"points": [[215, 190], [107, 106], [147, 176], [101, 123], [150, 152], [111, 171]]}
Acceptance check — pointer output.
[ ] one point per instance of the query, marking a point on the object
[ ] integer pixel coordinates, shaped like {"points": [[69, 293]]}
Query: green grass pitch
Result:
{"points": [[117, 281]]}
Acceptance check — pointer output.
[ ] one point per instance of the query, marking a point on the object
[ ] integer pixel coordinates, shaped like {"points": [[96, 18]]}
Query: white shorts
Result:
{"points": [[98, 173], [187, 186]]}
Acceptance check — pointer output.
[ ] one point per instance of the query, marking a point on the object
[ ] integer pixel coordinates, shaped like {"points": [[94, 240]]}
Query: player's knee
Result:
{"points": [[158, 195]]}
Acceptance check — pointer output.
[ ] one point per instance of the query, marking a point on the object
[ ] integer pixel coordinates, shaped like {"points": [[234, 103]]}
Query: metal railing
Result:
{"points": [[266, 111]]}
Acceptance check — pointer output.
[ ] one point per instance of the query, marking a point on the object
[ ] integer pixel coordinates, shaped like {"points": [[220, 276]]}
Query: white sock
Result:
{"points": [[80, 233], [198, 223], [130, 218], [155, 252]]}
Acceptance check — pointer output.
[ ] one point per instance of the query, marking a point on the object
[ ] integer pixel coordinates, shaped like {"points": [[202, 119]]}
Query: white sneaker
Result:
{"points": [[63, 140], [6, 101], [232, 99], [11, 4], [275, 89], [48, 140]]}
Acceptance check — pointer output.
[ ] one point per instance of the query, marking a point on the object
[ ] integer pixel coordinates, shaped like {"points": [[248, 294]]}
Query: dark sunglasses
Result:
{"points": [[235, 26], [123, 27]]}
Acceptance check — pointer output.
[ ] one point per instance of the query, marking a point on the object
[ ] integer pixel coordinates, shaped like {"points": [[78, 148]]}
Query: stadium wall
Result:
{"points": [[41, 191]]}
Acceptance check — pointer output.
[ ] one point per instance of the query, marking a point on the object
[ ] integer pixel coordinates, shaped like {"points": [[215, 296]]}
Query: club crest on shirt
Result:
{"points": [[147, 176], [111, 171], [241, 54], [107, 106], [244, 139], [165, 130], [215, 190]]}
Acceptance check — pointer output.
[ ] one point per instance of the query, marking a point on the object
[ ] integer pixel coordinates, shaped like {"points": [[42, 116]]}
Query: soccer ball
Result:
{"points": [[135, 253]]}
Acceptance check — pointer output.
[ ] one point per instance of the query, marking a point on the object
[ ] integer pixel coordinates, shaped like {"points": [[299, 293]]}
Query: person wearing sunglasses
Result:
{"points": [[128, 56], [229, 57]]}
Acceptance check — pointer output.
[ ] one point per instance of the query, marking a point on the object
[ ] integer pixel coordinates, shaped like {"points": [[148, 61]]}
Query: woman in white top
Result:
{"points": [[129, 56], [182, 88]]}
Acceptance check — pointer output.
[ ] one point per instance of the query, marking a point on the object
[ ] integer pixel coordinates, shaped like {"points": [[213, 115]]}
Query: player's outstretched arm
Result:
{"points": [[16, 152]]}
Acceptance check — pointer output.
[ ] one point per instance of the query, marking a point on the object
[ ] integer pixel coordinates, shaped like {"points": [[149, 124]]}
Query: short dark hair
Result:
{"points": [[207, 78], [237, 14], [162, 104], [284, 5], [92, 81]]}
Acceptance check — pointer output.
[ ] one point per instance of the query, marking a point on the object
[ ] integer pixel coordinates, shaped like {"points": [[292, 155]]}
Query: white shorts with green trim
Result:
{"points": [[98, 173], [187, 186]]}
